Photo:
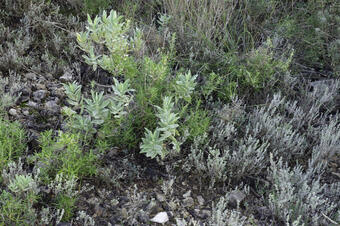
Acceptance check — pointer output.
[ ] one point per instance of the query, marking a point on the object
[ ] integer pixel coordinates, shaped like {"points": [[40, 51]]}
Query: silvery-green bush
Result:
{"points": [[299, 196], [239, 142]]}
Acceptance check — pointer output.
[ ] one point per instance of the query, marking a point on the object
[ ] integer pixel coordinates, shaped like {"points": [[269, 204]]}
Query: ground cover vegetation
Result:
{"points": [[183, 112]]}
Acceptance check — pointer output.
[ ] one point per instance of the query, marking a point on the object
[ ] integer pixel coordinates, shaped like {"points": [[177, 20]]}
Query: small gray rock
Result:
{"points": [[160, 218], [58, 92], [99, 211], [39, 95], [200, 200], [48, 76], [188, 202], [32, 104], [160, 197], [39, 86], [52, 106], [26, 113], [13, 112], [236, 197], [187, 194], [124, 213]]}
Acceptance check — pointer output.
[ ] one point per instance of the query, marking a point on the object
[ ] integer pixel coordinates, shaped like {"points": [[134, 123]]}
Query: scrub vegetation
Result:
{"points": [[211, 112]]}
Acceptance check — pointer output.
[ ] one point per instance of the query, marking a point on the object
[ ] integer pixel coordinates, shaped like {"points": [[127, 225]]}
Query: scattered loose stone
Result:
{"points": [[124, 213], [236, 197], [40, 86], [13, 112], [99, 211], [160, 218], [26, 92], [160, 197], [58, 92], [188, 202], [32, 104], [48, 76], [26, 113], [200, 200], [52, 106], [187, 194], [39, 95]]}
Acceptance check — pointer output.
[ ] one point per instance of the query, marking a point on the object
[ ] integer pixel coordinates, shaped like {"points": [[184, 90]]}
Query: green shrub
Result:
{"points": [[66, 203], [12, 142], [65, 192], [63, 155], [196, 122], [108, 44], [15, 210], [22, 194], [261, 69]]}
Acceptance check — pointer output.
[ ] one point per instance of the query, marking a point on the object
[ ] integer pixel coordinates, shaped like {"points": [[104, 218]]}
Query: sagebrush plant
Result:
{"points": [[239, 143], [297, 196], [209, 31], [154, 142], [221, 215], [262, 68], [21, 198]]}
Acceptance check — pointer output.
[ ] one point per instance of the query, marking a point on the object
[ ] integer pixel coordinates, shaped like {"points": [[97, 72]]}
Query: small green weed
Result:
{"points": [[63, 155], [15, 210], [12, 142], [66, 203]]}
